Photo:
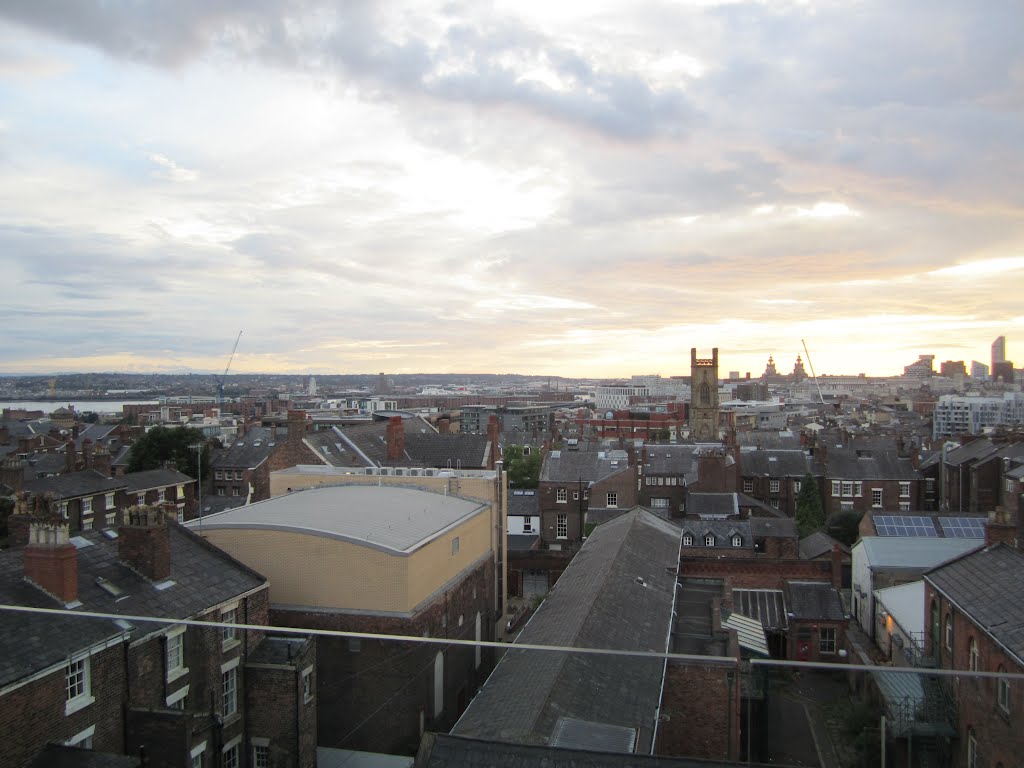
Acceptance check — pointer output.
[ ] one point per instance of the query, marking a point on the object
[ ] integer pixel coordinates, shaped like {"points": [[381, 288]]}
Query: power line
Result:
{"points": [[696, 659]]}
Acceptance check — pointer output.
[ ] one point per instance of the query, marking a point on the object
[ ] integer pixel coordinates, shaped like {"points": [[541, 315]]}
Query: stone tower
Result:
{"points": [[704, 396]]}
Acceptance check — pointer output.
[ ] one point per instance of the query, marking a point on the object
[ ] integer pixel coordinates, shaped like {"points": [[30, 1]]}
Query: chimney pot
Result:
{"points": [[144, 542]]}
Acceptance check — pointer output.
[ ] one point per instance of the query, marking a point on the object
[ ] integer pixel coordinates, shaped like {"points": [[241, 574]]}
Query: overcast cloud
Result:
{"points": [[584, 189]]}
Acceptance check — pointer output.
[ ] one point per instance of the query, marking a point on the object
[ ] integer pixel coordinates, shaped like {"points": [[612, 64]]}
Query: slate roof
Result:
{"points": [[712, 504], [331, 448], [771, 527], [776, 463], [723, 531], [972, 451], [97, 433], [809, 600], [246, 452], [616, 593], [672, 460], [819, 544], [845, 463], [154, 478], [523, 502], [522, 542], [574, 466], [277, 650], [438, 750], [783, 440], [402, 519], [987, 585], [74, 484], [430, 449], [202, 574]]}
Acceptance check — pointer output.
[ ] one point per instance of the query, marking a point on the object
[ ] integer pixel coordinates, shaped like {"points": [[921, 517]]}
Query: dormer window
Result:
{"points": [[737, 541], [709, 540], [687, 540]]}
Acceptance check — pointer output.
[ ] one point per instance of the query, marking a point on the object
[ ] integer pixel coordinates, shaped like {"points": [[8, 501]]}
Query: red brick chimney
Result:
{"points": [[5, 434], [87, 453], [51, 561], [395, 438], [444, 426], [12, 474], [296, 426], [273, 433], [101, 460], [492, 436], [1000, 528], [144, 542]]}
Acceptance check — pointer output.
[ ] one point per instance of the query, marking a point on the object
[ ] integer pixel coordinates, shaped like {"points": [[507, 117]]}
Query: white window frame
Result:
{"points": [[972, 749], [87, 523], [82, 739], [949, 632], [612, 500], [177, 699], [229, 635], [306, 677], [773, 486], [687, 540], [877, 495], [260, 753], [836, 486], [561, 496], [748, 486], [833, 637], [231, 754], [561, 526], [797, 485], [78, 684], [110, 518], [196, 755], [905, 489], [455, 545], [229, 687], [1003, 692], [904, 506], [973, 655], [87, 505], [737, 541], [660, 502], [108, 501], [174, 653], [858, 489], [847, 488], [709, 540]]}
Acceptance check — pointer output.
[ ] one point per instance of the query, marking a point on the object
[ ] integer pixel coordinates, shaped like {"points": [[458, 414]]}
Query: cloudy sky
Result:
{"points": [[537, 187]]}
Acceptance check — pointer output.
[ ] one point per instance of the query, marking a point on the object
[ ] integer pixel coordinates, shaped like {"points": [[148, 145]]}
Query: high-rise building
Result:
{"points": [[998, 351], [704, 396], [979, 371]]}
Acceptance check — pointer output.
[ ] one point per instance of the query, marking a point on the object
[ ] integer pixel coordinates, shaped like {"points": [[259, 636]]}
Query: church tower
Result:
{"points": [[704, 397]]}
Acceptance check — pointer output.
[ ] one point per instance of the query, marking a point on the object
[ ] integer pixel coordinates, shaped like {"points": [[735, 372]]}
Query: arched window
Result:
{"points": [[972, 655], [705, 394]]}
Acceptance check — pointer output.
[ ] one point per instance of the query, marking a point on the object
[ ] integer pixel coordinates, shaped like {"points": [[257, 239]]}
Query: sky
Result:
{"points": [[551, 188]]}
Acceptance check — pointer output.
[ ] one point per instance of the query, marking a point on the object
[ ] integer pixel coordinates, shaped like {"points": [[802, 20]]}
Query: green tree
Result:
{"points": [[845, 527], [810, 516], [174, 444], [523, 470]]}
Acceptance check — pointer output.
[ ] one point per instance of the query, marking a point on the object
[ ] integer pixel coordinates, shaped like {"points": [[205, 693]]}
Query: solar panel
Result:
{"points": [[963, 527], [905, 525]]}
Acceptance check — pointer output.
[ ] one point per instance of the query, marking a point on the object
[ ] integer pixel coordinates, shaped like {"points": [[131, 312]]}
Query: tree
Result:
{"points": [[163, 444], [845, 527], [810, 516], [523, 470]]}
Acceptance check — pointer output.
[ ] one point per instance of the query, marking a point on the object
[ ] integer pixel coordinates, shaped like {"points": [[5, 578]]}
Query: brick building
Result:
{"points": [[974, 616], [180, 692], [377, 559], [861, 479], [774, 477]]}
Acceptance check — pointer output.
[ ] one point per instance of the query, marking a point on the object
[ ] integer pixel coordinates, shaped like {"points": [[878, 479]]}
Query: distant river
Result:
{"points": [[49, 406]]}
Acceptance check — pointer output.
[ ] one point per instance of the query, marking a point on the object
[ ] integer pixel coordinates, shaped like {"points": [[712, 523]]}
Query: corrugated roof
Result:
{"points": [[397, 520], [766, 605], [749, 632]]}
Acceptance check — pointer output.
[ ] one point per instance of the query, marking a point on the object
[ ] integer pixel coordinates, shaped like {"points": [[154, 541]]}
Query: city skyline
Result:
{"points": [[581, 190]]}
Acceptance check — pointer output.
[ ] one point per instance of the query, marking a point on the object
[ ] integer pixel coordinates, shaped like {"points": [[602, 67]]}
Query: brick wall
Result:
{"points": [[278, 711], [996, 730], [700, 712], [33, 715], [753, 573], [373, 693]]}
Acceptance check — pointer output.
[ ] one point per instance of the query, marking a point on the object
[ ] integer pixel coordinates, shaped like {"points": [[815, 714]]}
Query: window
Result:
{"points": [[175, 653], [972, 749], [773, 486], [561, 496], [455, 545], [229, 692], [63, 509], [876, 497], [1003, 691], [77, 685], [307, 685], [613, 500], [796, 486], [659, 503], [904, 506], [228, 635], [586, 495], [526, 450], [709, 540], [231, 755], [905, 490], [260, 756], [111, 518], [236, 491], [774, 503], [220, 491], [86, 523], [575, 495], [858, 489], [87, 506], [197, 756], [161, 494], [140, 498], [949, 632], [108, 501], [847, 488], [218, 475], [177, 699], [562, 527], [737, 541], [687, 540], [827, 640], [835, 487], [82, 740], [972, 655], [649, 480]]}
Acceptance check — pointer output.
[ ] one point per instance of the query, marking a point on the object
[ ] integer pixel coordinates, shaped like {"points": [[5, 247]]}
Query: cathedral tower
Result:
{"points": [[704, 396]]}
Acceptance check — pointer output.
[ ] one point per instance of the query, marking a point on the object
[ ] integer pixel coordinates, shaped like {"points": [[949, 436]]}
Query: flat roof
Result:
{"points": [[392, 519]]}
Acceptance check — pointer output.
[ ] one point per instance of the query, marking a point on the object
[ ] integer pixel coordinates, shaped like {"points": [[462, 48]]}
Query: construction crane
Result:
{"points": [[813, 377], [223, 376]]}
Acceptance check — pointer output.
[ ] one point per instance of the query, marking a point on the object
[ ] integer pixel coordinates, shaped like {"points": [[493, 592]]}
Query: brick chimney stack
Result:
{"points": [[12, 474], [296, 426], [51, 561], [144, 542], [101, 460], [444, 426], [395, 439], [492, 436], [1000, 528], [87, 453], [70, 457]]}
